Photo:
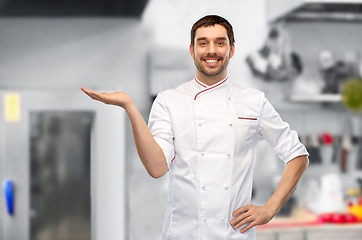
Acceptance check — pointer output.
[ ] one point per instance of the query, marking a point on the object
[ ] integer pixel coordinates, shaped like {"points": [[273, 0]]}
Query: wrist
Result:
{"points": [[129, 107], [272, 208]]}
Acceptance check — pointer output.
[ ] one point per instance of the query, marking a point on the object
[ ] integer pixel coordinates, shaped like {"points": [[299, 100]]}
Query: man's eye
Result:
{"points": [[202, 43], [220, 43]]}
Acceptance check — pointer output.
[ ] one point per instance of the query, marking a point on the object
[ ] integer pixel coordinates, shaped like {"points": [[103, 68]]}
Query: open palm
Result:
{"points": [[116, 98]]}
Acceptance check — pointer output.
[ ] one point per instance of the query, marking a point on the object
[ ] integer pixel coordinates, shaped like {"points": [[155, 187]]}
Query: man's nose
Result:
{"points": [[212, 48]]}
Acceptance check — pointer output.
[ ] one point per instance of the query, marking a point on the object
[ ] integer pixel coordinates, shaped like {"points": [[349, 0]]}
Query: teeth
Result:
{"points": [[211, 61]]}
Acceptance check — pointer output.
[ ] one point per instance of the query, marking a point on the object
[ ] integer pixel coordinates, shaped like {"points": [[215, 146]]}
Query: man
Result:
{"points": [[204, 133]]}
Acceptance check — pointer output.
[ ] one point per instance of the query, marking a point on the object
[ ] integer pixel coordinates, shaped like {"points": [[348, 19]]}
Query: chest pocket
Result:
{"points": [[246, 128]]}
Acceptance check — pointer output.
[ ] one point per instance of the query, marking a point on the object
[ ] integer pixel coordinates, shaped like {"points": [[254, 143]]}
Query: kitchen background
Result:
{"points": [[299, 53]]}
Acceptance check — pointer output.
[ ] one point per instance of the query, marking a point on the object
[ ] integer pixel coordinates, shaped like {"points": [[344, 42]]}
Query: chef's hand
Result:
{"points": [[255, 215], [148, 149], [252, 214], [117, 98]]}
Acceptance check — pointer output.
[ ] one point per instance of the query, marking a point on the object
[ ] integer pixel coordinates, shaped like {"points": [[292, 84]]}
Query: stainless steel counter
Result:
{"points": [[321, 232]]}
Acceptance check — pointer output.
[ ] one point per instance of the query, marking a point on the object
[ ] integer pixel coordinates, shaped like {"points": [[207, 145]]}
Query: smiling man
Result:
{"points": [[211, 48], [204, 133]]}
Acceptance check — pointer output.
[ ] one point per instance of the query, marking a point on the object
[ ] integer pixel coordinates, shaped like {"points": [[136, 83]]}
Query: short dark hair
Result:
{"points": [[211, 20]]}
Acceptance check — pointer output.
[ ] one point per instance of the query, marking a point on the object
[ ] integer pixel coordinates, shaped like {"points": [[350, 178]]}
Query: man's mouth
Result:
{"points": [[211, 60]]}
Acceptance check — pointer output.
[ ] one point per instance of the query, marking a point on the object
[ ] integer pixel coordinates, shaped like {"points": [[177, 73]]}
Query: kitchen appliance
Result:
{"points": [[62, 164]]}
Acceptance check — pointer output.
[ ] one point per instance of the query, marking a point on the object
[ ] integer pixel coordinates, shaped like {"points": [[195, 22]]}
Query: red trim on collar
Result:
{"points": [[200, 82], [211, 87]]}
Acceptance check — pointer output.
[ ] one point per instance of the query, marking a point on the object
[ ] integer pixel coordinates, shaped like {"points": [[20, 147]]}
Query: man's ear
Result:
{"points": [[192, 52], [232, 50]]}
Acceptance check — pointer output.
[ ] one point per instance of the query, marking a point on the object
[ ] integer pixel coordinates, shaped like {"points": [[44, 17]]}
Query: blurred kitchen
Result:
{"points": [[68, 165]]}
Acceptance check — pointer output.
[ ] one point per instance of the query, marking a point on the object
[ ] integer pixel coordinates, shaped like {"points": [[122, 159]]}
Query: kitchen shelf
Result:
{"points": [[314, 10], [316, 98], [334, 1]]}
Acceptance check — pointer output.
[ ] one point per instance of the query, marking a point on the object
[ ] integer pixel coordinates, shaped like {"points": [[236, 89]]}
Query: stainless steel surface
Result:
{"points": [[60, 204], [107, 162], [330, 232]]}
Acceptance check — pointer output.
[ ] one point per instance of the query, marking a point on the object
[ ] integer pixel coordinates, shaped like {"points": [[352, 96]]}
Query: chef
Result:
{"points": [[205, 133]]}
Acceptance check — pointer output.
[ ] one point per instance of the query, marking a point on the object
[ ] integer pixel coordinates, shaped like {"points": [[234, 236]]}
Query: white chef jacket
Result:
{"points": [[209, 135]]}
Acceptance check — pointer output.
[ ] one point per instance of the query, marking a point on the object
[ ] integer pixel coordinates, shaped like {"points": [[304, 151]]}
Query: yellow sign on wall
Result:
{"points": [[12, 107]]}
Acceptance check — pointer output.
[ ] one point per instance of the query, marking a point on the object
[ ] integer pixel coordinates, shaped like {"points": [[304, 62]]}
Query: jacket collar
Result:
{"points": [[201, 87]]}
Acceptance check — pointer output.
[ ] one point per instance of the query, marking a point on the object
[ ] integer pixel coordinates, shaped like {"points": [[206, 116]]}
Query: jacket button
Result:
{"points": [[226, 187], [203, 186], [230, 124], [228, 154], [202, 153], [200, 124], [205, 219], [223, 218], [228, 98]]}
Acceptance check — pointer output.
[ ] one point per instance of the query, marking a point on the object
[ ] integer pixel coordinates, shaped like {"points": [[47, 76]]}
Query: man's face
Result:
{"points": [[211, 51]]}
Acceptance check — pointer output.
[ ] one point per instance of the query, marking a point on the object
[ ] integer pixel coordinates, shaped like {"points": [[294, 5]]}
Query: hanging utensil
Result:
{"points": [[314, 149], [346, 145]]}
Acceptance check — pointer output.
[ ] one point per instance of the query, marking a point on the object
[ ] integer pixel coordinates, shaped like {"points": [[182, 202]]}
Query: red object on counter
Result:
{"points": [[350, 218], [338, 218], [325, 218], [326, 138]]}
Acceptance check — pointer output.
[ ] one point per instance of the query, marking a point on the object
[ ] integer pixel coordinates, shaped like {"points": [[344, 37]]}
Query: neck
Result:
{"points": [[210, 80]]}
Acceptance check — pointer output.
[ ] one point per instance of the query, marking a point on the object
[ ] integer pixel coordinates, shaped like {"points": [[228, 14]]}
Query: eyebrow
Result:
{"points": [[218, 39]]}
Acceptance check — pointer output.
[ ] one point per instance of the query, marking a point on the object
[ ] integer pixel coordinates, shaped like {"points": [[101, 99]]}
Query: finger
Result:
{"points": [[96, 97], [89, 92], [92, 94], [241, 210], [86, 91], [250, 225], [239, 218], [103, 95], [243, 222]]}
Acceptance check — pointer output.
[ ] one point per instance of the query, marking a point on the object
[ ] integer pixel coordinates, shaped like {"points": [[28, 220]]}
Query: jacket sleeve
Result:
{"points": [[160, 126], [278, 134]]}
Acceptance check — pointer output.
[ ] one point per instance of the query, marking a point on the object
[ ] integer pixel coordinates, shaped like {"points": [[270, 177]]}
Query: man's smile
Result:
{"points": [[212, 61]]}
